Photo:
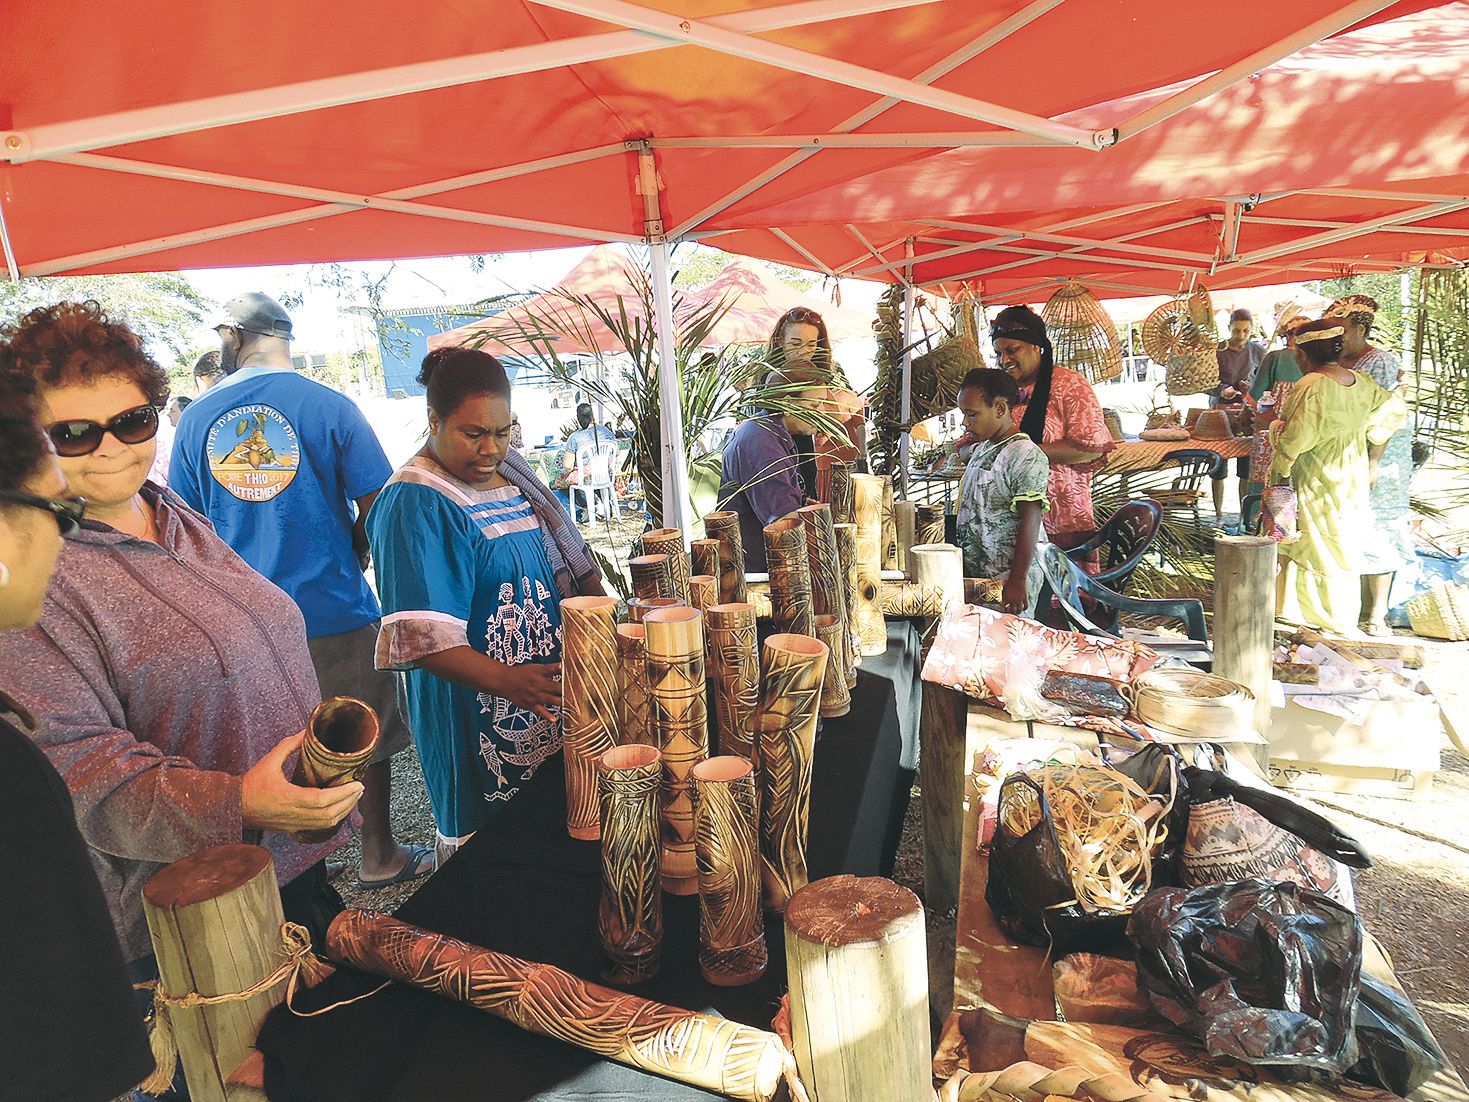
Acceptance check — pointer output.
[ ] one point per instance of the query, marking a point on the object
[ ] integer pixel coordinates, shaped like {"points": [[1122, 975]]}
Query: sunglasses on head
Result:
{"points": [[131, 426], [67, 510]]}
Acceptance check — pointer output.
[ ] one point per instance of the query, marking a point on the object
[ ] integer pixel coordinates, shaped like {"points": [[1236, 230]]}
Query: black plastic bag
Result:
{"points": [[1398, 1051], [1315, 830], [1264, 972], [1157, 769]]}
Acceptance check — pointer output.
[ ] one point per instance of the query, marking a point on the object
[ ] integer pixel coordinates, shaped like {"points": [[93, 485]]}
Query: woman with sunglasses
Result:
{"points": [[169, 681], [70, 1025], [799, 347]]}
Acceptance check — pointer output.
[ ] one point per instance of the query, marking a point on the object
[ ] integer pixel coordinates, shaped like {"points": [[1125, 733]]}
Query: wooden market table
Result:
{"points": [[1140, 455], [992, 971]]}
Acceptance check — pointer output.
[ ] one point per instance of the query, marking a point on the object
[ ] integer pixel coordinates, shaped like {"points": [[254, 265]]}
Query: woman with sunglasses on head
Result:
{"points": [[69, 1021], [800, 349], [169, 681]]}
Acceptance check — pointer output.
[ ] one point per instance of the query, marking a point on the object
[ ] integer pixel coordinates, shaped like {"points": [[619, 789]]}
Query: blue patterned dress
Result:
{"points": [[1389, 544]]}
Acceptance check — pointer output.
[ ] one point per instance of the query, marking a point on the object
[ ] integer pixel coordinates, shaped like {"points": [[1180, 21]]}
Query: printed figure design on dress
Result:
{"points": [[253, 452], [519, 632]]}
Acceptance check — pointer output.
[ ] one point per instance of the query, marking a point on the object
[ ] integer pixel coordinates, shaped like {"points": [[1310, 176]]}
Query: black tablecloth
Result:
{"points": [[523, 887]]}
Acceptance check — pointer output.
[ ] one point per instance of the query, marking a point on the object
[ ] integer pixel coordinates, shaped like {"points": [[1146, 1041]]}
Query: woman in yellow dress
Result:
{"points": [[1333, 427]]}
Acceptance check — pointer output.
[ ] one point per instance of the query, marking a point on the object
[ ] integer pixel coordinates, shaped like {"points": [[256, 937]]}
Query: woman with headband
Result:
{"points": [[1057, 410], [1330, 420], [1388, 546]]}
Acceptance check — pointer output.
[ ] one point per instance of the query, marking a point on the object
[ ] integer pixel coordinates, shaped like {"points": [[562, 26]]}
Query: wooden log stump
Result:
{"points": [[1244, 621], [633, 727], [726, 842], [872, 629], [588, 704], [630, 909], [791, 668], [679, 716], [905, 525], [724, 526], [857, 963], [215, 920], [651, 575], [734, 677], [670, 542], [790, 576]]}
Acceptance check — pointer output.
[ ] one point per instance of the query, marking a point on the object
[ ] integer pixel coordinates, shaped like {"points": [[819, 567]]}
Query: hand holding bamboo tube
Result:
{"points": [[338, 745], [589, 669], [679, 717]]}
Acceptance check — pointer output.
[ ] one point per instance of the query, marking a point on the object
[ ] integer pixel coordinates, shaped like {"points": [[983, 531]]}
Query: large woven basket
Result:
{"points": [[1442, 612], [938, 372], [1083, 335], [1182, 336]]}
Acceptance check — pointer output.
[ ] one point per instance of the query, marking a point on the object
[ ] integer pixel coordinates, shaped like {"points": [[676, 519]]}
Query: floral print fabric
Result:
{"points": [[1074, 416]]}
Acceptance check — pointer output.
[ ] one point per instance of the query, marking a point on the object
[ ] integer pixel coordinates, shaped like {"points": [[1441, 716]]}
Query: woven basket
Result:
{"points": [[1193, 372], [1181, 335], [938, 372], [1212, 424], [1083, 335], [1442, 612], [1113, 420]]}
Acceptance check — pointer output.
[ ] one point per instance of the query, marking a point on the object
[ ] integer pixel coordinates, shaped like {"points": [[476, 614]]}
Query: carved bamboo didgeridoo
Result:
{"points": [[638, 607], [713, 1053], [630, 914], [790, 697], [704, 557], [703, 591], [340, 739], [679, 716], [632, 687], [841, 493], [724, 526], [930, 524], [828, 598], [734, 677], [589, 703], [669, 541], [889, 527], [652, 575], [790, 576], [731, 933], [905, 524], [872, 631], [846, 540]]}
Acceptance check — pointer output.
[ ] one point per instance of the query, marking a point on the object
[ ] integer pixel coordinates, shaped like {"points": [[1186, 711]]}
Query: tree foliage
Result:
{"points": [[163, 308]]}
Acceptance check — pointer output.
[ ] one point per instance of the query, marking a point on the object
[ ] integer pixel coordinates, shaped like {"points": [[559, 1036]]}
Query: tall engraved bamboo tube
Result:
{"points": [[632, 687], [704, 556], [639, 607], [857, 960], [680, 720], [930, 524], [836, 697], [713, 1053], [889, 527], [341, 737], [905, 524], [726, 842], [734, 677], [215, 920], [724, 526], [828, 598], [841, 493], [630, 913], [791, 669], [652, 575], [846, 540], [703, 591], [790, 576], [669, 541], [589, 703], [872, 629]]}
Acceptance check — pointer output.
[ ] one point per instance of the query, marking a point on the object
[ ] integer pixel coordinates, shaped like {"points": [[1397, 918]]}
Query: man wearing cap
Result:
{"points": [[286, 469]]}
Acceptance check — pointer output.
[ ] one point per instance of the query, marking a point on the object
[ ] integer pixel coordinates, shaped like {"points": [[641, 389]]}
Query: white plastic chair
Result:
{"points": [[594, 479]]}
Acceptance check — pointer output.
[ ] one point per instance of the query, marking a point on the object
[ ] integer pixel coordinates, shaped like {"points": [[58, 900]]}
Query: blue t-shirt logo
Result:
{"points": [[253, 452]]}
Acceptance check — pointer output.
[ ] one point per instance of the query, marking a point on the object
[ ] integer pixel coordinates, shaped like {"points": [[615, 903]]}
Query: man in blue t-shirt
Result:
{"points": [[286, 470]]}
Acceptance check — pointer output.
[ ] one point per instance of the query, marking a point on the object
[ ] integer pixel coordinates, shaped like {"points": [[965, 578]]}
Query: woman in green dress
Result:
{"points": [[1333, 427]]}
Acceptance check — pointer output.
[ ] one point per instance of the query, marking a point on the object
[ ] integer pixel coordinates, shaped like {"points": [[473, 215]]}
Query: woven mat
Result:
{"points": [[1138, 455]]}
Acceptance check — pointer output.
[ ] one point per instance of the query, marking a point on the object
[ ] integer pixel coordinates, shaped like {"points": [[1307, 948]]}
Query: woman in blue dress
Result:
{"points": [[473, 557]]}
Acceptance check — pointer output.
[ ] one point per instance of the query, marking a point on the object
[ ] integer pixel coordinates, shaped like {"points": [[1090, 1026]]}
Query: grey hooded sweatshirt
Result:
{"points": [[159, 673]]}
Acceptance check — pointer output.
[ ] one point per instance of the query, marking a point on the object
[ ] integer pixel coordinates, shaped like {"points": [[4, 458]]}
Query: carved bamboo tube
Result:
{"points": [[713, 1053], [939, 568], [341, 737], [632, 686], [857, 961], [734, 677], [703, 591], [905, 524], [639, 607], [846, 540], [651, 575], [910, 599], [930, 524], [828, 598], [836, 697], [757, 596], [704, 557], [679, 716], [791, 670], [889, 527], [630, 913], [790, 576], [731, 932], [872, 630], [841, 493], [589, 703], [724, 526], [670, 542]]}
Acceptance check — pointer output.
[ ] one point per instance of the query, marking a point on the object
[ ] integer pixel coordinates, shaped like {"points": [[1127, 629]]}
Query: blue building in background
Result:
{"points": [[402, 342]]}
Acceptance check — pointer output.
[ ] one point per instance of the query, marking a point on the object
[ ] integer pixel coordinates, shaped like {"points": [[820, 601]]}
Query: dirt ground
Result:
{"points": [[1414, 899]]}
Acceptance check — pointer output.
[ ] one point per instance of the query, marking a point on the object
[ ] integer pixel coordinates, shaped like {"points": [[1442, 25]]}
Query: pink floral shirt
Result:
{"points": [[1075, 416]]}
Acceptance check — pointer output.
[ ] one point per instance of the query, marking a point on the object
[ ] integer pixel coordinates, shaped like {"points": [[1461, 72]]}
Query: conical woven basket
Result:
{"points": [[1441, 613], [1082, 333]]}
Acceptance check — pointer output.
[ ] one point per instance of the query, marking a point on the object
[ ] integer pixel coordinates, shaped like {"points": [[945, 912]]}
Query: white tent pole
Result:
{"points": [[676, 505], [905, 408], [10, 264]]}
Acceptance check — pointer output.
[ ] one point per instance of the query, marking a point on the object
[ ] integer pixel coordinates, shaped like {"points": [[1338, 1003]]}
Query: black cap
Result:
{"points": [[257, 313]]}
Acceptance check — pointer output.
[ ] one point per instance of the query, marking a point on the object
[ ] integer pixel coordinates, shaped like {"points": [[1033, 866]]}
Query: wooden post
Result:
{"points": [[856, 958], [669, 541], [588, 704], [942, 721], [905, 523], [1244, 621], [724, 526], [872, 629], [215, 919], [680, 719]]}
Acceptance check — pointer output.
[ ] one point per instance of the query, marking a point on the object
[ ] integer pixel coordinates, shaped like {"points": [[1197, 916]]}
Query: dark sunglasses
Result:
{"points": [[131, 426], [67, 510]]}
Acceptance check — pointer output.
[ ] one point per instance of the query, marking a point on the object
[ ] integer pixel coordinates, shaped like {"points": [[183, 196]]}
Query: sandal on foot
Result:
{"points": [[412, 869]]}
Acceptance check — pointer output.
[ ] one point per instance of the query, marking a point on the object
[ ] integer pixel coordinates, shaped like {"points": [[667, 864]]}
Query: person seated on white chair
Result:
{"points": [[589, 434]]}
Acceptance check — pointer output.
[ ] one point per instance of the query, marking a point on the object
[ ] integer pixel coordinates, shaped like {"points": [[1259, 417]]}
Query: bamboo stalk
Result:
{"points": [[724, 526], [703, 591], [341, 737], [790, 576], [791, 670], [633, 726], [589, 703], [905, 526], [651, 575], [670, 542], [930, 523], [846, 542], [638, 607], [731, 933], [890, 559], [734, 675], [675, 646], [704, 555], [828, 598], [872, 632], [630, 911], [841, 493], [836, 697]]}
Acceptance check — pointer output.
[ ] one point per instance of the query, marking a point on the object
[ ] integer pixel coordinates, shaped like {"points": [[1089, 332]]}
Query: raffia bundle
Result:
{"points": [[1194, 705]]}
